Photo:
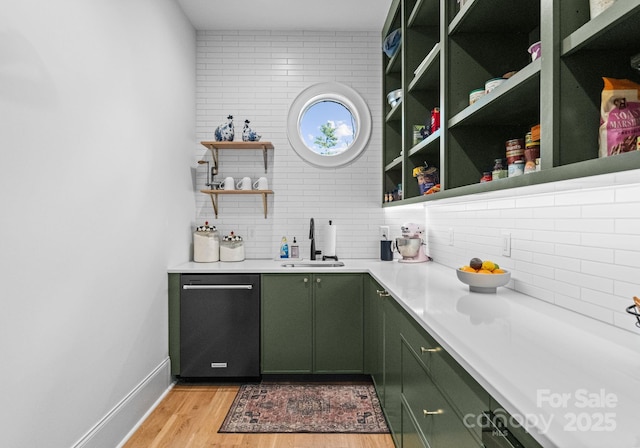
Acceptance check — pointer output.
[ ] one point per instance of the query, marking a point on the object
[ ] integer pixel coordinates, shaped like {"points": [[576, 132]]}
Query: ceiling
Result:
{"points": [[325, 15]]}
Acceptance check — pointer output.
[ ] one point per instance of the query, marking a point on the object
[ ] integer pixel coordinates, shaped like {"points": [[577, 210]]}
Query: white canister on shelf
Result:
{"points": [[206, 244]]}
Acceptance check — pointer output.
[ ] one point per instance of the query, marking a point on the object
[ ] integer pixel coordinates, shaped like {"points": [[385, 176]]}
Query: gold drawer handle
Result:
{"points": [[438, 412], [430, 350], [382, 293]]}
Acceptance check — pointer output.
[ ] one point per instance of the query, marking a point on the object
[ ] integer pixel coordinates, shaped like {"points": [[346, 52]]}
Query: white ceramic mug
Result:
{"points": [[244, 184], [261, 184], [228, 184]]}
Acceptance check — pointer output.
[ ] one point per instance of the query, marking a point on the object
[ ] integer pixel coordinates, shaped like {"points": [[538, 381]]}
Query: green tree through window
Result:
{"points": [[328, 138]]}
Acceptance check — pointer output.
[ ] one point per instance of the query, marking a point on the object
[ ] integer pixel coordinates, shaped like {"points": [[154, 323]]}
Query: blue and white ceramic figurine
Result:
{"points": [[225, 132], [249, 135]]}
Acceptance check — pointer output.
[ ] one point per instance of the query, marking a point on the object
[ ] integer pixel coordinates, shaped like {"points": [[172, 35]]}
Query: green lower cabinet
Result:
{"points": [[373, 334], [287, 323], [436, 418], [338, 323], [392, 322], [312, 323], [174, 322], [468, 399], [411, 436]]}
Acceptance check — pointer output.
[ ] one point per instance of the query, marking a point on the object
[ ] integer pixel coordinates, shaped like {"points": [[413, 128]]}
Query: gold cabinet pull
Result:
{"points": [[382, 293], [317, 280], [306, 280], [438, 412], [430, 350]]}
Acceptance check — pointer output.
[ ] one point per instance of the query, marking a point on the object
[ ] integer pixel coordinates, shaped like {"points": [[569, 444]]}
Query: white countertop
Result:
{"points": [[575, 380]]}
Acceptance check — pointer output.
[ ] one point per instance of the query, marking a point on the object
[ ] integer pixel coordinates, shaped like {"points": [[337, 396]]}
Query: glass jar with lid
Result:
{"points": [[499, 171]]}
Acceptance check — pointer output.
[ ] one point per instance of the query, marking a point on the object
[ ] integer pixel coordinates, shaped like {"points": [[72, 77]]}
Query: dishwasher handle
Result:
{"points": [[217, 287]]}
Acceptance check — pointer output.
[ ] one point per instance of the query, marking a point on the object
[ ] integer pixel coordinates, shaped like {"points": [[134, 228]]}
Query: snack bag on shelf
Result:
{"points": [[619, 117]]}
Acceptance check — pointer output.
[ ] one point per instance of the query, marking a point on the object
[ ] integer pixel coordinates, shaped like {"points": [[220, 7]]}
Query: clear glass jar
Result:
{"points": [[499, 172]]}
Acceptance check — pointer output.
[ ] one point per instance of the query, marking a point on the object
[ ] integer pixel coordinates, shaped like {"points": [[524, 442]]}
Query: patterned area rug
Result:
{"points": [[317, 408]]}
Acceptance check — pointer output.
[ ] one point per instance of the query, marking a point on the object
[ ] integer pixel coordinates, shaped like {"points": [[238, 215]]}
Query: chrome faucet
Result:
{"points": [[312, 231]]}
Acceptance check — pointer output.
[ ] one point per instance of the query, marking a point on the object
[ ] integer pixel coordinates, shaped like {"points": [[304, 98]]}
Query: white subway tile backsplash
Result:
{"points": [[256, 75], [582, 307], [575, 243]]}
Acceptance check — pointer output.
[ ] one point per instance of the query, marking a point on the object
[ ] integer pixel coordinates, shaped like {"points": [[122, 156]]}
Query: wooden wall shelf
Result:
{"points": [[215, 193], [215, 146]]}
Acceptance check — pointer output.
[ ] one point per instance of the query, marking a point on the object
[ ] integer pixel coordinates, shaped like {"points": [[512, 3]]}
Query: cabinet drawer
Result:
{"points": [[419, 340], [463, 392], [411, 436], [436, 418]]}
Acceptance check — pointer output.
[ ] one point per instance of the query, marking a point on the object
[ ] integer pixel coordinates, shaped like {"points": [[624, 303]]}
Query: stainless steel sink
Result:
{"points": [[313, 264]]}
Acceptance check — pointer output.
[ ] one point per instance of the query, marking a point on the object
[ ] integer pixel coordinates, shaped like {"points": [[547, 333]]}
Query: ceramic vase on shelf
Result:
{"points": [[249, 135], [225, 132]]}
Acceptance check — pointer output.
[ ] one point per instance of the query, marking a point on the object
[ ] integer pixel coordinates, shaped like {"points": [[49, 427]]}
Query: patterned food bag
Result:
{"points": [[619, 117]]}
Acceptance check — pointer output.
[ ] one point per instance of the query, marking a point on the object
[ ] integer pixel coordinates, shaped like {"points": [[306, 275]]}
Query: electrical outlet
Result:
{"points": [[384, 232], [506, 243], [450, 236]]}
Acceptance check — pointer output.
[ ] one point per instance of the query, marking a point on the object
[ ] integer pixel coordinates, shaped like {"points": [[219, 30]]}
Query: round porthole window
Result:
{"points": [[329, 124]]}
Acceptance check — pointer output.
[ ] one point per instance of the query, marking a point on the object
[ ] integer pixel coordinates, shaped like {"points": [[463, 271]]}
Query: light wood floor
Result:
{"points": [[190, 416]]}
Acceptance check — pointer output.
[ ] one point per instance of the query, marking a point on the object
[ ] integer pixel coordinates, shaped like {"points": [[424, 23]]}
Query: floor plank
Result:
{"points": [[191, 414]]}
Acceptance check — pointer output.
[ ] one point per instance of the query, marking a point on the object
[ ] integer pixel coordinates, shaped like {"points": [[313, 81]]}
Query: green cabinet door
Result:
{"points": [[174, 323], [411, 436], [338, 318], [373, 334], [392, 322], [436, 417], [286, 319]]}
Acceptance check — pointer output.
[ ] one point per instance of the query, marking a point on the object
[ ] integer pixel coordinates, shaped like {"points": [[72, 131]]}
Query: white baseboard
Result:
{"points": [[115, 428]]}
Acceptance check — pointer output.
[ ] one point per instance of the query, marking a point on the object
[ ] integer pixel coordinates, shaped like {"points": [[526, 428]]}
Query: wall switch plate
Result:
{"points": [[450, 236], [384, 232], [506, 243]]}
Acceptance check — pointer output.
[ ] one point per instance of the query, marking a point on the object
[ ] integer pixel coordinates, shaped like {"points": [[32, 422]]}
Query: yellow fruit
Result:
{"points": [[488, 265], [484, 271], [467, 269], [499, 271]]}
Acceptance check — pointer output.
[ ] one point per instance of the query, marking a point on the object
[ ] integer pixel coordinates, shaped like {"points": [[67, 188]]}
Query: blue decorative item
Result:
{"points": [[225, 132], [392, 42], [248, 135]]}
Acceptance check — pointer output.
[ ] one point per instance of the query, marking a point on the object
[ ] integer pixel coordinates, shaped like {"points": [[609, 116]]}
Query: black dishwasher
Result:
{"points": [[219, 325]]}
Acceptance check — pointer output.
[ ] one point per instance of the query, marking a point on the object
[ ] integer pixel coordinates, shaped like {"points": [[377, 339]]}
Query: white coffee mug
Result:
{"points": [[244, 184], [261, 184], [228, 184]]}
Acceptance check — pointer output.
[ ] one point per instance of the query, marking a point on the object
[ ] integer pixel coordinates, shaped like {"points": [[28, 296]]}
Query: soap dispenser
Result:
{"points": [[295, 250], [284, 248]]}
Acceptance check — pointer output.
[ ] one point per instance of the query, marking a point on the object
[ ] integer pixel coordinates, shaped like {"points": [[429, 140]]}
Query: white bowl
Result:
{"points": [[487, 283]]}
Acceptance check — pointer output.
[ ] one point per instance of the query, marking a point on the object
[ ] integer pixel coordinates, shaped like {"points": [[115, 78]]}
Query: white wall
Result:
{"points": [[97, 117], [256, 75], [575, 243]]}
